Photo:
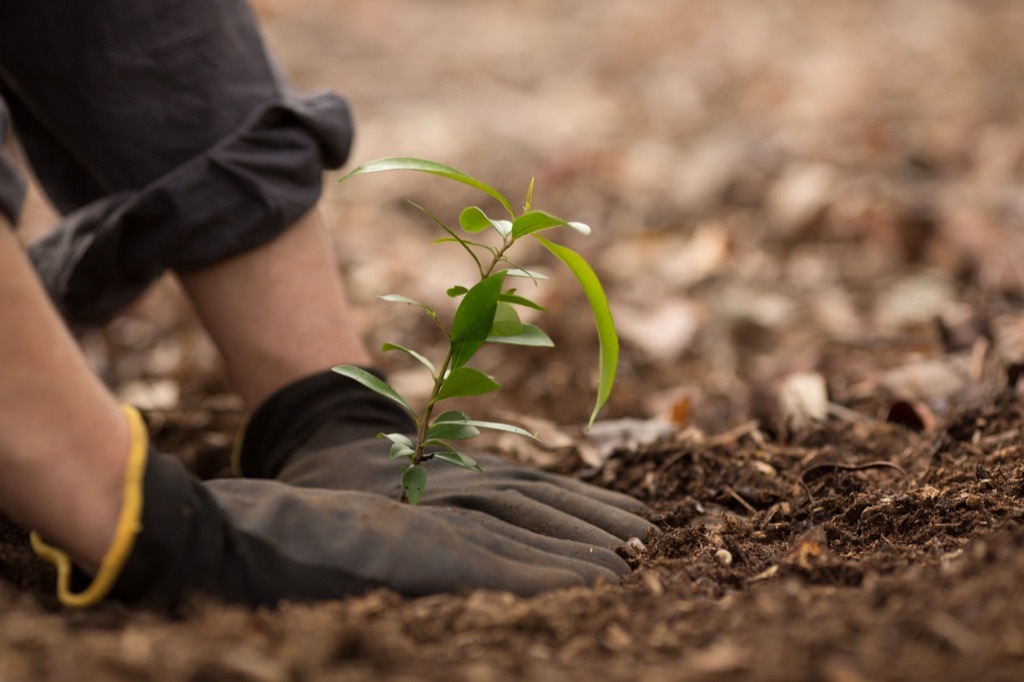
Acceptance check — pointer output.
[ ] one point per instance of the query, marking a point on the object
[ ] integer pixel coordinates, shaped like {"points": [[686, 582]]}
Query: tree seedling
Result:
{"points": [[486, 313]]}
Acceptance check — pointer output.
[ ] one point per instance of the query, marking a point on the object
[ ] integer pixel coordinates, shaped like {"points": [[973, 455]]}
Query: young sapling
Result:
{"points": [[486, 313]]}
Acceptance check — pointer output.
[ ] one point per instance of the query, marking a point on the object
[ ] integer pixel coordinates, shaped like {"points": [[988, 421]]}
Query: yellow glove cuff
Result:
{"points": [[128, 526]]}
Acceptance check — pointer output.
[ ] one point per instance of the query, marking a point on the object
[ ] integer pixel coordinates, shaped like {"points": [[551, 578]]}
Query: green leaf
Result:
{"points": [[606, 334], [453, 430], [424, 166], [509, 297], [473, 219], [498, 426], [374, 384], [414, 480], [529, 336], [457, 416], [504, 227], [464, 242], [527, 274], [466, 381], [394, 346], [457, 291], [399, 451], [506, 321], [528, 204], [535, 221], [474, 317], [397, 298], [401, 445], [398, 439], [455, 457]]}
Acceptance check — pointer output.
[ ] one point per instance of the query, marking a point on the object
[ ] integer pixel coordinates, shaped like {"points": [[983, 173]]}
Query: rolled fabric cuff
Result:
{"points": [[128, 526], [238, 195]]}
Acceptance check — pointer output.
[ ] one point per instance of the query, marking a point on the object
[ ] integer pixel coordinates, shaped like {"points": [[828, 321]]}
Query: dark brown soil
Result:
{"points": [[798, 194]]}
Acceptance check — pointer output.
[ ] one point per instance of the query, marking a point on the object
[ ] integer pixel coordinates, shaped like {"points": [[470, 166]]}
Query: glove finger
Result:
{"points": [[622, 524], [587, 560], [607, 497], [351, 468], [513, 507], [497, 468], [324, 540]]}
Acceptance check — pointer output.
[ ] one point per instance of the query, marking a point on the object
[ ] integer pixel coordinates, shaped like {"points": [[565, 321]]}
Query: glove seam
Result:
{"points": [[129, 524]]}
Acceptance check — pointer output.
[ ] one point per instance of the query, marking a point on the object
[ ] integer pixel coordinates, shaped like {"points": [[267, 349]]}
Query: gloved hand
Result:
{"points": [[260, 541], [321, 432]]}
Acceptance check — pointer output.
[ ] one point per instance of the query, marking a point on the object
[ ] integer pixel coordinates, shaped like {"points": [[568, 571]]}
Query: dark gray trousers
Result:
{"points": [[162, 132]]}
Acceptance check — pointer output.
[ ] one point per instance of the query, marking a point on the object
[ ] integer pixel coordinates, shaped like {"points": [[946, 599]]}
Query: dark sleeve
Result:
{"points": [[164, 133]]}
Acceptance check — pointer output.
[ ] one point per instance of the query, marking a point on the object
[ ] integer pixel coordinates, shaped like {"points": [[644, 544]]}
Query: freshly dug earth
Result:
{"points": [[807, 215], [812, 559]]}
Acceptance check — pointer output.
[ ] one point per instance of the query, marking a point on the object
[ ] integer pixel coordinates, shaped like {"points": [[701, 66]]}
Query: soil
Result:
{"points": [[807, 216]]}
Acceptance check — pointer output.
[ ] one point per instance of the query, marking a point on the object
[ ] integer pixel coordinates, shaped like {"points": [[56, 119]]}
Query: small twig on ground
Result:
{"points": [[739, 498], [877, 464]]}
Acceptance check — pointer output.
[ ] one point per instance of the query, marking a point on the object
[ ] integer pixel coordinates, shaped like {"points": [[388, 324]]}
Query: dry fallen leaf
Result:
{"points": [[662, 332], [800, 196], [803, 399]]}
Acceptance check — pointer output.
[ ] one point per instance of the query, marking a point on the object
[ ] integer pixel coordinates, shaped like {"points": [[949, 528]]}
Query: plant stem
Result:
{"points": [[421, 438], [424, 425], [506, 245]]}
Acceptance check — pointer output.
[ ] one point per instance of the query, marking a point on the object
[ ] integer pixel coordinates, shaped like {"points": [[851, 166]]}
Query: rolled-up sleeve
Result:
{"points": [[165, 135], [238, 195]]}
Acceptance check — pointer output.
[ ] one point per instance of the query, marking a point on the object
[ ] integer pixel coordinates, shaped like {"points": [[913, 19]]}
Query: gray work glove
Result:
{"points": [[321, 432], [260, 541]]}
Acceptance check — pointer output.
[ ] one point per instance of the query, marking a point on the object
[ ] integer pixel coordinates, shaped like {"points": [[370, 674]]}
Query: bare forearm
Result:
{"points": [[279, 312], [63, 440]]}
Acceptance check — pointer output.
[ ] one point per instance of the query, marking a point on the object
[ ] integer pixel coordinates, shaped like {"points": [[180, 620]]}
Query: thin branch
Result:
{"points": [[460, 240]]}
